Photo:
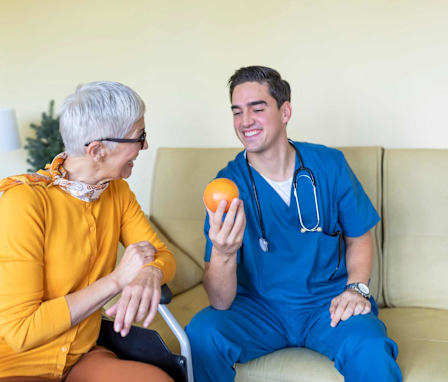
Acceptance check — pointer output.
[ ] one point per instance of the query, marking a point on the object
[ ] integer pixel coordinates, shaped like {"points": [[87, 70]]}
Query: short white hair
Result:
{"points": [[98, 110]]}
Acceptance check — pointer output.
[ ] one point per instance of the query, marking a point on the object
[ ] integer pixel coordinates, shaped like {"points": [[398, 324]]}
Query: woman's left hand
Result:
{"points": [[138, 301]]}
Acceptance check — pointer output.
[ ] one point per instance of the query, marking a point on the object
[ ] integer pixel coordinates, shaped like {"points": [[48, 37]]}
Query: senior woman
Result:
{"points": [[59, 231]]}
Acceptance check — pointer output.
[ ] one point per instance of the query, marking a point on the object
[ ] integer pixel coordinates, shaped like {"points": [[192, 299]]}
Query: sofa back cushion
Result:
{"points": [[181, 174], [416, 227], [366, 164]]}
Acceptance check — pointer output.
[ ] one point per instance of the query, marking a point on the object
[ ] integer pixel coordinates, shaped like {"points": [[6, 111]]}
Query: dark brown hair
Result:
{"points": [[279, 89]]}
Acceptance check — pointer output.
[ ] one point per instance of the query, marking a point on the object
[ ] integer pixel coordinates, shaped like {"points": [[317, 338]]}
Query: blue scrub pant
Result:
{"points": [[251, 328]]}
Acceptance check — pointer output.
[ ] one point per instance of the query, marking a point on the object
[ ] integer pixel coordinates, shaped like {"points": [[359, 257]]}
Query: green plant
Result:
{"points": [[47, 142]]}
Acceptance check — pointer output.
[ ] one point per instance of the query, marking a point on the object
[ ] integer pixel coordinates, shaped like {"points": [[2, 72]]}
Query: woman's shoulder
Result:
{"points": [[119, 186], [24, 200], [23, 193], [119, 191]]}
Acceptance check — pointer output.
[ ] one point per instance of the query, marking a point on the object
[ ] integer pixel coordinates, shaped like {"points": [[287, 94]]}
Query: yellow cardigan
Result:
{"points": [[52, 244]]}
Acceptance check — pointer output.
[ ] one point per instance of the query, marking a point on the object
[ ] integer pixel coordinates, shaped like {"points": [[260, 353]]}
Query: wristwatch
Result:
{"points": [[361, 288]]}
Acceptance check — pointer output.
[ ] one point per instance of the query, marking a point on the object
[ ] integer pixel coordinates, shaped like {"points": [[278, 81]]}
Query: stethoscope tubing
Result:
{"points": [[263, 242], [309, 175]]}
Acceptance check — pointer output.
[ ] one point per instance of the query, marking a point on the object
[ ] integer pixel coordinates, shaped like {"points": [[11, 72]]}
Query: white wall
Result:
{"points": [[363, 72]]}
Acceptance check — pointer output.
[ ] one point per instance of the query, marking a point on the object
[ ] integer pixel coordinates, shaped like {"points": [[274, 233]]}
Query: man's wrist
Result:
{"points": [[359, 287], [223, 256]]}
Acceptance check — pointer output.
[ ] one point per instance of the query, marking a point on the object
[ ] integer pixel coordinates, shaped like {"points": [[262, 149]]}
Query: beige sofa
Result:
{"points": [[409, 188]]}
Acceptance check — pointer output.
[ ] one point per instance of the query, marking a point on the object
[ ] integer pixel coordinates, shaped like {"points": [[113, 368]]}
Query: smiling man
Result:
{"points": [[290, 263]]}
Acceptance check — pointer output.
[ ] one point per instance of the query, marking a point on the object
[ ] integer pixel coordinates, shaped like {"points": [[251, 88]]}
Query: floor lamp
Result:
{"points": [[9, 135]]}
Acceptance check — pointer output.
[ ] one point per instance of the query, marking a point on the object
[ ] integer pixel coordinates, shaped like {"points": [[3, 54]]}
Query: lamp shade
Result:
{"points": [[9, 135]]}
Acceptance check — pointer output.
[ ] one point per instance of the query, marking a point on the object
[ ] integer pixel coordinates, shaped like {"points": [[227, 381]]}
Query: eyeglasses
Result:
{"points": [[140, 139]]}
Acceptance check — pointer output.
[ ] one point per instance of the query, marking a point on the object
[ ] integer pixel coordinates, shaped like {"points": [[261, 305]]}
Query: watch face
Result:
{"points": [[363, 288]]}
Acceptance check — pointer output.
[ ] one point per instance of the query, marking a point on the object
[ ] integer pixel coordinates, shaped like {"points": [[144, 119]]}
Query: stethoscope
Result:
{"points": [[307, 174]]}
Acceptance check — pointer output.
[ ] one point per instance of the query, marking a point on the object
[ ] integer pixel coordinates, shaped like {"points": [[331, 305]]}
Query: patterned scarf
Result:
{"points": [[56, 176]]}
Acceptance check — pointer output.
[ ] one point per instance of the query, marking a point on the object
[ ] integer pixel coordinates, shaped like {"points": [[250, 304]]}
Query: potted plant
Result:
{"points": [[47, 142]]}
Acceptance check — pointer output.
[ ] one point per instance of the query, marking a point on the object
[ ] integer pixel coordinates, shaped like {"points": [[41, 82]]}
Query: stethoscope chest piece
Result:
{"points": [[264, 245]]}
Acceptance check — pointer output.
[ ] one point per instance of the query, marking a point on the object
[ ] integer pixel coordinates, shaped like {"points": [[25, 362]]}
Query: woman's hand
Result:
{"points": [[139, 287], [134, 257], [140, 293]]}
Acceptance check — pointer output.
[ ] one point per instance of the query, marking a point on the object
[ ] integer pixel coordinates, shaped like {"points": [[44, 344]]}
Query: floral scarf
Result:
{"points": [[56, 175]]}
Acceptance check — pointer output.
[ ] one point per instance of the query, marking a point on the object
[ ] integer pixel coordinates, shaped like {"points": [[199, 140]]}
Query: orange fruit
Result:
{"points": [[220, 189]]}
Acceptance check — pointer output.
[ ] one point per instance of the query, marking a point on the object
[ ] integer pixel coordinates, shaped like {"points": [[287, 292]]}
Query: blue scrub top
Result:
{"points": [[297, 268]]}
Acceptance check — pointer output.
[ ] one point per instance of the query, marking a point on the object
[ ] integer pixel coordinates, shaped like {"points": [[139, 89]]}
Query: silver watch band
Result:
{"points": [[356, 288]]}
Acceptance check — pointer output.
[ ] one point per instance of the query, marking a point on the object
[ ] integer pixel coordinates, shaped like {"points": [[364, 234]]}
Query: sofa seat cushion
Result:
{"points": [[289, 365], [422, 338], [421, 335]]}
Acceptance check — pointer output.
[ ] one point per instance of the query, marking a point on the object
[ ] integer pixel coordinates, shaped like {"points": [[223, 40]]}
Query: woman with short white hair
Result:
{"points": [[59, 231]]}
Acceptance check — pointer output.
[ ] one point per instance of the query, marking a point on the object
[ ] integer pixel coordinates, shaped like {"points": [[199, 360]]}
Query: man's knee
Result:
{"points": [[204, 328], [370, 358], [366, 352], [378, 347], [215, 334]]}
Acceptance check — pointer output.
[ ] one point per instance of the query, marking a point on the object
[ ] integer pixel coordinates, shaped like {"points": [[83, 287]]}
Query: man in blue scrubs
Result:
{"points": [[292, 270]]}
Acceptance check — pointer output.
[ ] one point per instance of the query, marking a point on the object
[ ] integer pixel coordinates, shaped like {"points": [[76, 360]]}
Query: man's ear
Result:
{"points": [[286, 112], [96, 151]]}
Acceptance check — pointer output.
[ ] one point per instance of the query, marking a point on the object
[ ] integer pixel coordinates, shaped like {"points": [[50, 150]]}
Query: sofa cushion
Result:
{"points": [[421, 335], [188, 271], [289, 365], [180, 176], [416, 228], [422, 338], [366, 164]]}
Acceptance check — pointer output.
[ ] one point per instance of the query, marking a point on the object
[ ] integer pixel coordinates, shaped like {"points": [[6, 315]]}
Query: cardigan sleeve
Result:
{"points": [[135, 227], [27, 319]]}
